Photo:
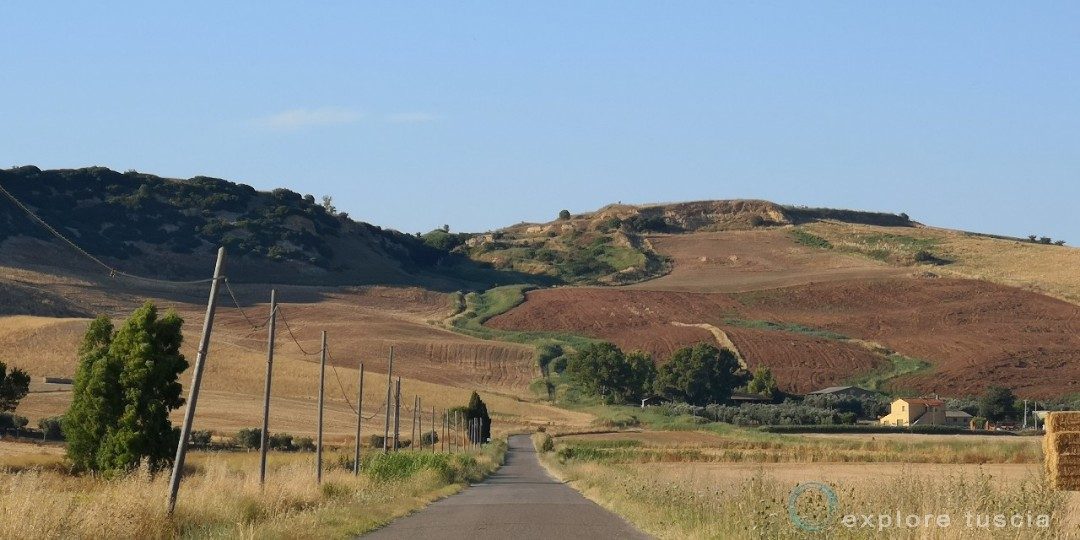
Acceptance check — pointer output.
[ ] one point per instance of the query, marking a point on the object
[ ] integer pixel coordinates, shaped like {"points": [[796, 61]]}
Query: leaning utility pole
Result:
{"points": [[359, 419], [196, 380], [397, 415], [389, 385], [419, 415], [322, 392], [265, 442]]}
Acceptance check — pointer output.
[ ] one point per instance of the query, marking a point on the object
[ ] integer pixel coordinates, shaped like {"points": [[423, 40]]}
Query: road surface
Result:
{"points": [[519, 501]]}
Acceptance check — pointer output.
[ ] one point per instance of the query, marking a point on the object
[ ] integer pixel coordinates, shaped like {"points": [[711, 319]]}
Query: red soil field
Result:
{"points": [[643, 320], [974, 333]]}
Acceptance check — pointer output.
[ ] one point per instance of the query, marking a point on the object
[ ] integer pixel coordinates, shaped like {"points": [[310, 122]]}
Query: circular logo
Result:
{"points": [[812, 524]]}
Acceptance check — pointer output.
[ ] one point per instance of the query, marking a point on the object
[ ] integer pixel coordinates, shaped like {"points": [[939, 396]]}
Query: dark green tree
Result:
{"points": [[602, 369], [14, 386], [125, 387], [96, 401], [700, 375], [564, 215], [477, 410], [997, 403], [763, 383]]}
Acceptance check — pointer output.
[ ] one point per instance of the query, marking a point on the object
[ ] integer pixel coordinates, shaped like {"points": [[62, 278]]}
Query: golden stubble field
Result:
{"points": [[362, 324]]}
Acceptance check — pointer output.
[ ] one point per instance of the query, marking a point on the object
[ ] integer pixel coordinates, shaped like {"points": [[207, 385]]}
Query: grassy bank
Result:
{"points": [[689, 499], [221, 496], [477, 308]]}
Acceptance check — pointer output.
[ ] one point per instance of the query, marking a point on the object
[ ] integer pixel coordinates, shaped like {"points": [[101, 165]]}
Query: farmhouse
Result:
{"points": [[915, 411]]}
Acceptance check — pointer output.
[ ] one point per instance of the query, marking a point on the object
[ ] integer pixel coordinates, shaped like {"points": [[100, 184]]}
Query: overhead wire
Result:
{"points": [[113, 272], [255, 326]]}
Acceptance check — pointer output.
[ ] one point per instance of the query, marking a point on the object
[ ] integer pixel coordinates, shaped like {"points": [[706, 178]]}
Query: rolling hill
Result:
{"points": [[821, 296]]}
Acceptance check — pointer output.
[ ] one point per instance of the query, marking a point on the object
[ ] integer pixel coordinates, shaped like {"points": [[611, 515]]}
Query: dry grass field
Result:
{"points": [[1017, 263], [691, 485], [362, 323], [221, 497], [738, 261]]}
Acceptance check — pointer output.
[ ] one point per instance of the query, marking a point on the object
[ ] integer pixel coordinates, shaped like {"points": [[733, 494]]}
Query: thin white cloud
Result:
{"points": [[411, 118], [304, 118]]}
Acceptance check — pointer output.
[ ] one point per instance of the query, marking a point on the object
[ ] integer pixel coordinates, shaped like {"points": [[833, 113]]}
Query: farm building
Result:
{"points": [[958, 419], [915, 411], [843, 391]]}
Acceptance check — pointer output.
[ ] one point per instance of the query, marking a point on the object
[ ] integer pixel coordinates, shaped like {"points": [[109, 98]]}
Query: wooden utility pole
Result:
{"points": [[434, 429], [196, 380], [412, 433], [264, 444], [389, 385], [359, 420], [419, 415], [397, 415], [322, 392]]}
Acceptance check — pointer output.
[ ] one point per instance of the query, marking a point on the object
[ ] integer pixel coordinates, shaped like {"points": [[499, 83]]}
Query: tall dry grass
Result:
{"points": [[758, 507], [222, 497]]}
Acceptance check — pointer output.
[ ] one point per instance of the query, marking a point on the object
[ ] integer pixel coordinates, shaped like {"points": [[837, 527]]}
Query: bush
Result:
{"points": [[250, 438], [14, 386], [305, 444], [201, 438], [429, 439], [398, 465], [9, 420], [50, 428], [547, 444], [564, 215], [281, 441]]}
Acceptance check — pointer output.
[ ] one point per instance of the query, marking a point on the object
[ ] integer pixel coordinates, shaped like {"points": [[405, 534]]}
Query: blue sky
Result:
{"points": [[479, 115]]}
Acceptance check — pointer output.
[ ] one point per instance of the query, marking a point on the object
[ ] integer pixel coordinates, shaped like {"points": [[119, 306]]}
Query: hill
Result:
{"points": [[612, 245], [171, 228], [906, 307]]}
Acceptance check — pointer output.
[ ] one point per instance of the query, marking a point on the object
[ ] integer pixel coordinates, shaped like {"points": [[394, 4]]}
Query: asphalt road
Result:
{"points": [[519, 501]]}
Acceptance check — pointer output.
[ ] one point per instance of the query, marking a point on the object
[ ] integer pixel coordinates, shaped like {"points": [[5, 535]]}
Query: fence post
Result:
{"points": [[397, 415]]}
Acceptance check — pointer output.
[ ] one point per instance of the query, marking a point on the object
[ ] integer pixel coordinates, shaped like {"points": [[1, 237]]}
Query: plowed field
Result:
{"points": [[974, 333]]}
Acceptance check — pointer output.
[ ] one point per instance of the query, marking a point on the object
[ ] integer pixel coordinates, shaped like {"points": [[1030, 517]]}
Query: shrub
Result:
{"points": [[429, 439], [14, 386], [249, 438], [305, 444], [281, 441], [547, 444], [201, 438], [564, 215], [50, 428], [9, 420]]}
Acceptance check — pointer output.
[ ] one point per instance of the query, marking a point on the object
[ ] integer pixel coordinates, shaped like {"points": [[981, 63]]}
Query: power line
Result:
{"points": [[292, 335], [113, 272], [236, 302]]}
